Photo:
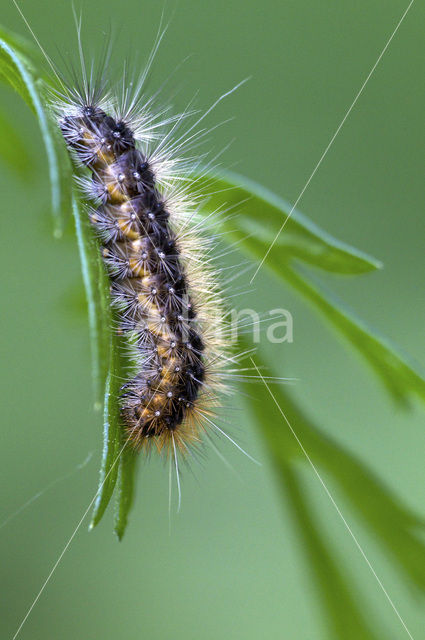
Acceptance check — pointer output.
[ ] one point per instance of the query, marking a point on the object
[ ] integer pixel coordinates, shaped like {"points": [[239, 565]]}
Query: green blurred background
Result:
{"points": [[232, 565]]}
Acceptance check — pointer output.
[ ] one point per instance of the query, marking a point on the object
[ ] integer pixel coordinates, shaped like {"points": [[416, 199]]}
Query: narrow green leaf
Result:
{"points": [[261, 215], [119, 460], [96, 287], [106, 365], [396, 527], [125, 489], [17, 71], [345, 614], [401, 377]]}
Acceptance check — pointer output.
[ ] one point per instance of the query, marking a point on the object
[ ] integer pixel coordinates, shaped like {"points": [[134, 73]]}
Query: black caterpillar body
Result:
{"points": [[149, 284]]}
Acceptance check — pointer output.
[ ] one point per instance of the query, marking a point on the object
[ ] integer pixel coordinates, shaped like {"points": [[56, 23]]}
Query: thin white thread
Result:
{"points": [[328, 493], [332, 140]]}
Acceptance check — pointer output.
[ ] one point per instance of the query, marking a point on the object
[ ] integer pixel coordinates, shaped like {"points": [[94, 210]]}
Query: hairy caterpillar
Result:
{"points": [[163, 291]]}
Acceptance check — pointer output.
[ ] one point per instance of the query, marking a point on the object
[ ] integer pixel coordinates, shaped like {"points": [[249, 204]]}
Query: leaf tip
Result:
{"points": [[377, 264], [119, 533]]}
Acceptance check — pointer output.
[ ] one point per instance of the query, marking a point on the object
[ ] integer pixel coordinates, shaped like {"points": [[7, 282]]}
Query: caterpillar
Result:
{"points": [[163, 292]]}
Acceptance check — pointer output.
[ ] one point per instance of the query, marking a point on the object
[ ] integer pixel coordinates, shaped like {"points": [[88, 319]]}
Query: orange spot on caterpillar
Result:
{"points": [[127, 230], [137, 267], [116, 196]]}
